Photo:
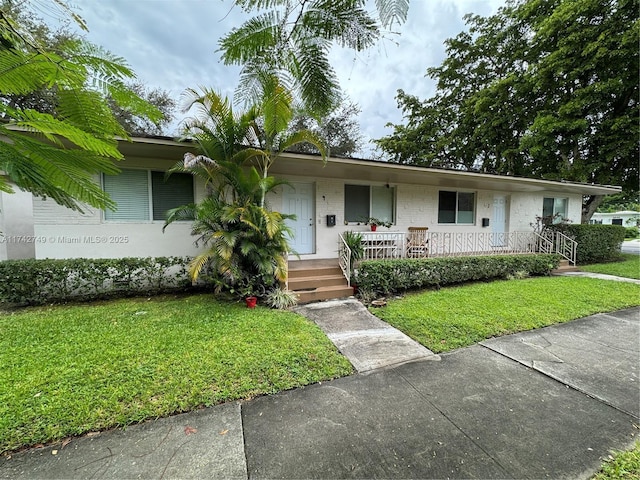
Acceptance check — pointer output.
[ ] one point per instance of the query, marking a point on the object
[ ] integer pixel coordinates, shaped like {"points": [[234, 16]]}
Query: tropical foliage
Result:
{"points": [[291, 39], [245, 241], [58, 154], [547, 89]]}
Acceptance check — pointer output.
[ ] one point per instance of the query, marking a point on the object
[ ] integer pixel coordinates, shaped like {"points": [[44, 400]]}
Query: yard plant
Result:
{"points": [[69, 370], [623, 465], [456, 317]]}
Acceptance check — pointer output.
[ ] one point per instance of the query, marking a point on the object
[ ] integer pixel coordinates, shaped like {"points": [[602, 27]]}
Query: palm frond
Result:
{"points": [[304, 136]]}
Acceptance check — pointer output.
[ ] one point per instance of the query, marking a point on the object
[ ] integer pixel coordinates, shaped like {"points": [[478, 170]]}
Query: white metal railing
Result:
{"points": [[344, 258], [550, 241], [388, 245], [480, 243], [383, 245]]}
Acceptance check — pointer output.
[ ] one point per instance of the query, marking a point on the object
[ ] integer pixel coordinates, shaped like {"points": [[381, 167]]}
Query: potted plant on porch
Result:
{"points": [[374, 222]]}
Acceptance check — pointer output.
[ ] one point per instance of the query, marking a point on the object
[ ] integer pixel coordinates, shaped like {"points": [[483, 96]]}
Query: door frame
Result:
{"points": [[312, 197]]}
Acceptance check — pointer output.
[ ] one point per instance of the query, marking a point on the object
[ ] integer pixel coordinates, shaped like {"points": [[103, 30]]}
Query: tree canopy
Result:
{"points": [[543, 88], [56, 152], [291, 39], [339, 130]]}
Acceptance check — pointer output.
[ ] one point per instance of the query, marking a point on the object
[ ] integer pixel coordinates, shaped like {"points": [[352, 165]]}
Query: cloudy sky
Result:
{"points": [[172, 44]]}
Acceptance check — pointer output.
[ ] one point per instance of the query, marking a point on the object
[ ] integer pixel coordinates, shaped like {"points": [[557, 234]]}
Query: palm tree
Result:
{"points": [[246, 242], [270, 127], [292, 41]]}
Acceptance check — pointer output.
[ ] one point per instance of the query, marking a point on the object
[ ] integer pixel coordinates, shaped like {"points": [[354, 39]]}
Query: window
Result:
{"points": [[555, 207], [144, 195], [364, 201], [456, 207]]}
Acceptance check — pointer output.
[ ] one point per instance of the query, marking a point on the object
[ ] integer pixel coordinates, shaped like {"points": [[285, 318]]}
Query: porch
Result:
{"points": [[322, 279], [418, 242]]}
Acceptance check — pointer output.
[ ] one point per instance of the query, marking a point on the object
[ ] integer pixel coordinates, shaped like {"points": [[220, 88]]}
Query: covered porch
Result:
{"points": [[419, 242]]}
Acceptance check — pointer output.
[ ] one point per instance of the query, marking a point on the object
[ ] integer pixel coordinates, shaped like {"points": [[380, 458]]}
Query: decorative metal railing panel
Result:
{"points": [[551, 241], [388, 245], [383, 245], [447, 244], [344, 258]]}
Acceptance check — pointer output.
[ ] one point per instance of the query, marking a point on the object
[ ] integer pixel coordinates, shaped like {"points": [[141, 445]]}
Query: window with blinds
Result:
{"points": [[142, 195], [173, 192]]}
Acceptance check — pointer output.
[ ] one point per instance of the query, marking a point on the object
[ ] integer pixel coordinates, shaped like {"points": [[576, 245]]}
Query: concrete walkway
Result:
{"points": [[601, 276], [550, 403], [367, 342]]}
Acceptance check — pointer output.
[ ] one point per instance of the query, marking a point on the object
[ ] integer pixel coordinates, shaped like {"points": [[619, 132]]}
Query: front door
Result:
{"points": [[297, 199], [499, 220]]}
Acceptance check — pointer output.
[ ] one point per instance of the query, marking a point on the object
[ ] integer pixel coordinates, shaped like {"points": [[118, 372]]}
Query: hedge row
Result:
{"points": [[36, 282], [390, 276], [596, 243]]}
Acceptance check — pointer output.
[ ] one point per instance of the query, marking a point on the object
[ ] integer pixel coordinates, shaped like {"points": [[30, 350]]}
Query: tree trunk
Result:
{"points": [[589, 206]]}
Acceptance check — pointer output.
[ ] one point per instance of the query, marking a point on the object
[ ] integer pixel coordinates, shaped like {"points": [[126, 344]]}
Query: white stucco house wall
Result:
{"points": [[344, 190], [626, 218]]}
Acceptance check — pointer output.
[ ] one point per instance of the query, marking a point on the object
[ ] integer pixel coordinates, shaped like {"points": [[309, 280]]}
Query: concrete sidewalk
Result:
{"points": [[549, 403]]}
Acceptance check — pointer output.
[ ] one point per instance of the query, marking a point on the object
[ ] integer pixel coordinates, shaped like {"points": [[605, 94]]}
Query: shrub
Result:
{"points": [[391, 276], [631, 232], [281, 298], [596, 243], [33, 282]]}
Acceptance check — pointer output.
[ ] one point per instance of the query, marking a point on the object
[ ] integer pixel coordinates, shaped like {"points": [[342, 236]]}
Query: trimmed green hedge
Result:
{"points": [[391, 276], [596, 243], [36, 282]]}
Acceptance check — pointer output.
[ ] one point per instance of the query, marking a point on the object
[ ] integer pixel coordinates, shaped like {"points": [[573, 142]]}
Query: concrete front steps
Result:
{"points": [[564, 267], [314, 280]]}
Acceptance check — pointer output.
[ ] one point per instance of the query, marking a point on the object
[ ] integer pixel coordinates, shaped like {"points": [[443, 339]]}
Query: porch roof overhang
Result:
{"points": [[358, 170], [393, 173]]}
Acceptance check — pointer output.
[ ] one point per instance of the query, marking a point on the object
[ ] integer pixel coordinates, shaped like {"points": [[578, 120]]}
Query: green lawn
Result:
{"points": [[628, 267], [459, 316], [621, 465], [67, 370]]}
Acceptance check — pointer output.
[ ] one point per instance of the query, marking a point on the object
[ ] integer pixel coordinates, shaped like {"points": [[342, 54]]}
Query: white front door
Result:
{"points": [[297, 199], [499, 220]]}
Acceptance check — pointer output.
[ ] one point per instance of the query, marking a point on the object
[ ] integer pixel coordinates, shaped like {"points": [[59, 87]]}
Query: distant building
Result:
{"points": [[627, 218]]}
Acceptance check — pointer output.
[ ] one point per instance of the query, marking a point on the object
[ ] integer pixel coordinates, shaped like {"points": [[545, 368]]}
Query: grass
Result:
{"points": [[68, 370], [628, 267], [456, 317], [621, 465]]}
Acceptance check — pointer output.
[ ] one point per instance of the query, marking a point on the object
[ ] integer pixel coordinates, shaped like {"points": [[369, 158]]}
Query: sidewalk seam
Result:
{"points": [[557, 380], [244, 441]]}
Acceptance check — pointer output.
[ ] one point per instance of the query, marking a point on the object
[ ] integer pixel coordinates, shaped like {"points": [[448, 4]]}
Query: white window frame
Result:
{"points": [[371, 187], [457, 210], [149, 197]]}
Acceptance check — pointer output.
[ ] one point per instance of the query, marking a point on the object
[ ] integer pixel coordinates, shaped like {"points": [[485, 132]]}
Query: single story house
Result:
{"points": [[626, 218], [463, 211]]}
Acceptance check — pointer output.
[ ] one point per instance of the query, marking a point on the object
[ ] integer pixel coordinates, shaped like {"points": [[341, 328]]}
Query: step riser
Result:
{"points": [[314, 296], [310, 282], [314, 272]]}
